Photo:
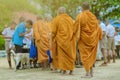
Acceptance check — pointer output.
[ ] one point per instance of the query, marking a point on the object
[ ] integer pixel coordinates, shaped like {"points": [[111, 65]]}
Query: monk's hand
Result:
{"points": [[22, 34]]}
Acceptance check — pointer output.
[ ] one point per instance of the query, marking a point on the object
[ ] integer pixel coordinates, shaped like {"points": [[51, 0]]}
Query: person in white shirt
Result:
{"points": [[103, 42], [111, 41], [7, 35], [117, 43], [28, 37]]}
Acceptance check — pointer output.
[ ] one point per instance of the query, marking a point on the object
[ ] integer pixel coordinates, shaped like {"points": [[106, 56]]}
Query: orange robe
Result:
{"points": [[41, 31], [53, 50], [63, 34], [88, 33]]}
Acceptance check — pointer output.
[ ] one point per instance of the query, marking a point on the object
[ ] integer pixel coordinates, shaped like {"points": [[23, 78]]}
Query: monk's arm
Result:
{"points": [[77, 29], [100, 33], [36, 32]]}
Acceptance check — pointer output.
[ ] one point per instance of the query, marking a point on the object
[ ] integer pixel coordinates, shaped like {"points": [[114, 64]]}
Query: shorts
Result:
{"points": [[7, 43], [103, 43], [111, 44], [18, 49]]}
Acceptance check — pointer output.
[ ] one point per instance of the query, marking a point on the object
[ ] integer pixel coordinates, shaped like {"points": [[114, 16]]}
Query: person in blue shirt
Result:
{"points": [[18, 41], [19, 35]]}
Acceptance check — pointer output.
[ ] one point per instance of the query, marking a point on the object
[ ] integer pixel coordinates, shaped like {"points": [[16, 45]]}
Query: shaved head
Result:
{"points": [[48, 18], [86, 6], [61, 10], [39, 17], [107, 22]]}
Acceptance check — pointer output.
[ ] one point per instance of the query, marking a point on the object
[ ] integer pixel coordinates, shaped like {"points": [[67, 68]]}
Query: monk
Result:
{"points": [[41, 31], [54, 65], [88, 34], [62, 33]]}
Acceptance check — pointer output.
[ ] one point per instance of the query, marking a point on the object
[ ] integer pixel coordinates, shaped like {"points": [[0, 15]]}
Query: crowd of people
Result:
{"points": [[60, 37]]}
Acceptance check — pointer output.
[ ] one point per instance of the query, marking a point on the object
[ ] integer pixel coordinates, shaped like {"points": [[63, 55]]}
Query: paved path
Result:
{"points": [[111, 72]]}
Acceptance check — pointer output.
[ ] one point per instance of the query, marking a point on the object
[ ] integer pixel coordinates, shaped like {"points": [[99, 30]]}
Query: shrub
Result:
{"points": [[2, 43]]}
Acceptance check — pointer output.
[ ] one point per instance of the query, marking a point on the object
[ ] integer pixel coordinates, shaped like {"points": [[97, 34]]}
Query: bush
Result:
{"points": [[2, 43]]}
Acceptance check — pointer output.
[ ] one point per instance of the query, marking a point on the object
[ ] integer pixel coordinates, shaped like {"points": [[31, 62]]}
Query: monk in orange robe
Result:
{"points": [[62, 32], [41, 31], [54, 65], [88, 34]]}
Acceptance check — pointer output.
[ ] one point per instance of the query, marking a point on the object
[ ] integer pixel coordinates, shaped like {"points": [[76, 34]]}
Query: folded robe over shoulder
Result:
{"points": [[63, 34], [88, 33], [41, 31]]}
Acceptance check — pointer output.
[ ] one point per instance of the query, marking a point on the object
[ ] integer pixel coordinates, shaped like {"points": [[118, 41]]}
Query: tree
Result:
{"points": [[103, 8], [9, 7], [106, 8], [51, 6]]}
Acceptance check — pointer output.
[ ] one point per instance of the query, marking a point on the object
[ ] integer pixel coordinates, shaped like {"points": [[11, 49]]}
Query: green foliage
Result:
{"points": [[97, 6], [7, 10], [104, 6], [8, 7], [51, 6], [2, 42]]}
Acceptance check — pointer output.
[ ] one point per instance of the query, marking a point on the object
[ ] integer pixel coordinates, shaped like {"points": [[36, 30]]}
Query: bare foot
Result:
{"points": [[87, 76], [108, 61], [64, 72], [71, 72], [51, 69], [10, 68], [113, 61], [103, 64], [91, 72], [79, 66], [55, 71]]}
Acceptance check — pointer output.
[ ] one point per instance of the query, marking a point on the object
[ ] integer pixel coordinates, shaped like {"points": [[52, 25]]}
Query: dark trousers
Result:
{"points": [[18, 49]]}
